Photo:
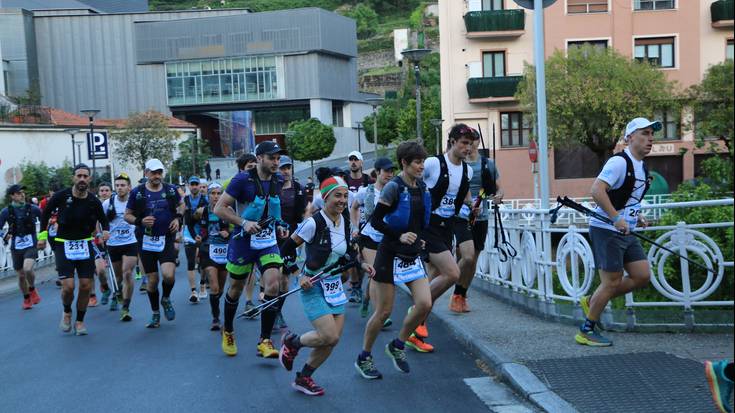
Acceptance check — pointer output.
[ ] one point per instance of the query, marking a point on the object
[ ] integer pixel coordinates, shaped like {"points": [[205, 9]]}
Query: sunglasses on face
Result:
{"points": [[353, 159]]}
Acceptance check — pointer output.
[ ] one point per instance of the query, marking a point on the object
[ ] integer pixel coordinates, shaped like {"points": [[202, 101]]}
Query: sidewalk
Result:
{"points": [[641, 372]]}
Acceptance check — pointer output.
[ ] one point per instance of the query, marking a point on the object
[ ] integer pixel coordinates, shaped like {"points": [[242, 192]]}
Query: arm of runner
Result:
{"points": [[224, 211], [175, 224], [102, 220], [355, 216], [599, 195]]}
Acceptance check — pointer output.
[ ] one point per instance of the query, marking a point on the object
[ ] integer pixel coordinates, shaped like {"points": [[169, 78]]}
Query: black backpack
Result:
{"points": [[28, 226], [440, 189], [619, 197], [318, 250], [170, 194]]}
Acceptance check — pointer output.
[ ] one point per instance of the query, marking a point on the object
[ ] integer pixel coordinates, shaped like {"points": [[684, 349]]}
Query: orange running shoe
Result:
{"points": [[421, 331], [419, 345], [27, 303], [35, 298], [92, 301], [455, 304], [465, 306]]}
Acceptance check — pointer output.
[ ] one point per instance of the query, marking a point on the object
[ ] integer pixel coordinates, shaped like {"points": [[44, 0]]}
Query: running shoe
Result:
{"points": [[125, 315], [288, 352], [193, 298], [719, 385], [64, 324], [27, 304], [365, 308], [105, 297], [266, 350], [455, 303], [419, 345], [387, 323], [80, 329], [215, 325], [421, 331], [113, 303], [228, 344], [168, 309], [355, 295], [92, 301], [465, 306], [367, 369], [398, 357], [592, 338], [306, 385], [138, 274], [155, 321], [203, 292], [35, 298]]}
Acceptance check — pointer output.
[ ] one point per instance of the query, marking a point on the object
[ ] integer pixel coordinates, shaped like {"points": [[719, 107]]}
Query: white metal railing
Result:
{"points": [[6, 259], [537, 264]]}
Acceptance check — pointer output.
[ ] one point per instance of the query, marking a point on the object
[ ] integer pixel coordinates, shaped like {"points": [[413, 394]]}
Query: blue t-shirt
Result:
{"points": [[156, 205], [243, 188]]}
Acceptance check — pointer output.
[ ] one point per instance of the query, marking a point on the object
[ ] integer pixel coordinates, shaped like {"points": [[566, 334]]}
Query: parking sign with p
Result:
{"points": [[97, 145]]}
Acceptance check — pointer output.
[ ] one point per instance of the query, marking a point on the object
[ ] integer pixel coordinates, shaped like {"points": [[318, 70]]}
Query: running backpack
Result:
{"points": [[318, 250], [442, 185], [619, 197], [169, 194], [27, 227]]}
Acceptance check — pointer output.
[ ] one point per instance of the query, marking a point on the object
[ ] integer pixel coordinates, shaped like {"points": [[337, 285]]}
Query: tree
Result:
{"points": [[184, 165], [593, 93], [145, 136], [310, 140], [712, 104], [387, 115], [366, 19], [38, 178]]}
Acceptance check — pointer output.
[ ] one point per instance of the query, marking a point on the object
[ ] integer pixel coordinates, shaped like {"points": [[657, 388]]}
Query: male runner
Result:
{"points": [[195, 204], [104, 192], [78, 215], [156, 208], [470, 238], [356, 179], [122, 245], [252, 197], [21, 218], [448, 178], [618, 192]]}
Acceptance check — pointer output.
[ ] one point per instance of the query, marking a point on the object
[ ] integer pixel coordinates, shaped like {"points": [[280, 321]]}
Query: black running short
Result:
{"points": [[118, 251], [19, 256], [367, 242], [205, 261], [191, 254], [462, 232], [67, 268], [383, 264], [479, 235], [151, 259], [439, 237]]}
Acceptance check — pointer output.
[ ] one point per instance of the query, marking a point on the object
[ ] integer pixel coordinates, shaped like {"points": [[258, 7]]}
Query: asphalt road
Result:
{"points": [[180, 367]]}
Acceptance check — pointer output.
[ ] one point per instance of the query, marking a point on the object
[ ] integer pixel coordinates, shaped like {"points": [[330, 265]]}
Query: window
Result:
{"points": [[492, 4], [653, 4], [493, 64], [576, 162], [670, 120], [658, 51], [586, 6], [515, 129], [729, 50], [337, 115], [602, 44]]}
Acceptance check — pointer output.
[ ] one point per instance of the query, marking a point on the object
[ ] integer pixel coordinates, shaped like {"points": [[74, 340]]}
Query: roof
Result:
{"points": [[46, 4], [66, 119]]}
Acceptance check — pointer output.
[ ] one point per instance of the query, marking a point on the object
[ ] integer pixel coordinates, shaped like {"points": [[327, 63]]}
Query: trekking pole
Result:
{"points": [[590, 213], [256, 311], [111, 272]]}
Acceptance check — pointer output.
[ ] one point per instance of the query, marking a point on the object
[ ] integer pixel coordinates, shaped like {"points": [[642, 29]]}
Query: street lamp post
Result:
{"points": [[415, 56], [71, 133], [359, 128], [91, 113], [437, 123], [375, 102], [79, 150]]}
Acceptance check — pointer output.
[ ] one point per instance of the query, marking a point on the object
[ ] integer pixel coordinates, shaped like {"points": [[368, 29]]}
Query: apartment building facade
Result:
{"points": [[485, 44]]}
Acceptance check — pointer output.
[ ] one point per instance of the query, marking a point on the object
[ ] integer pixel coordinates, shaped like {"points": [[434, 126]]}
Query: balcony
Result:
{"points": [[492, 89], [495, 23], [722, 13]]}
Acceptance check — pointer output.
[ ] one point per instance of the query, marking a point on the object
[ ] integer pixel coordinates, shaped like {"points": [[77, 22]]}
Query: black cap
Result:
{"points": [[383, 164], [269, 148], [14, 189], [338, 172]]}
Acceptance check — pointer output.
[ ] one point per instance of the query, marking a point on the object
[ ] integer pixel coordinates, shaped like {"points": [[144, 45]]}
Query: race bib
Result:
{"points": [[263, 239], [154, 243], [121, 234], [218, 253], [26, 241], [464, 212], [631, 215], [407, 271], [334, 294], [53, 230], [446, 207], [76, 250]]}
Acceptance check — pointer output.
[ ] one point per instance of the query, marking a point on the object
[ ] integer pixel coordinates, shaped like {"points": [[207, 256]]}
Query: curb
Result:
{"points": [[517, 375]]}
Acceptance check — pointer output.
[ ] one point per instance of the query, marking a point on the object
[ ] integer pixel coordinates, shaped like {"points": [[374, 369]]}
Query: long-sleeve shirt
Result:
{"points": [[78, 217]]}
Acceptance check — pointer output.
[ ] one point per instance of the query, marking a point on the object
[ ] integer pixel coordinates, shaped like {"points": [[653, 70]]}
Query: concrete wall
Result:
{"points": [[712, 41], [19, 50]]}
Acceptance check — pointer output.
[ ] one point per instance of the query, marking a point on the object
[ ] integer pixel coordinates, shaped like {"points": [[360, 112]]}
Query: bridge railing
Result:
{"points": [[561, 272], [45, 256]]}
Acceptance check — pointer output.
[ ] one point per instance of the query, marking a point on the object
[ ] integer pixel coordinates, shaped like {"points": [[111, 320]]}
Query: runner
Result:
{"points": [[618, 191], [213, 252], [78, 215], [104, 192], [470, 237], [254, 195], [21, 218], [361, 211], [356, 179], [122, 246], [448, 178], [327, 236], [402, 216], [195, 205], [155, 208]]}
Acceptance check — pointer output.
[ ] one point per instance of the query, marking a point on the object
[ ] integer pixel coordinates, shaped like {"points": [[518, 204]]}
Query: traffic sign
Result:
{"points": [[533, 151], [97, 148]]}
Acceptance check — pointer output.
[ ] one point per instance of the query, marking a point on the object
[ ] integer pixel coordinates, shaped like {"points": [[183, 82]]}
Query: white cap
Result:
{"points": [[154, 165], [640, 123], [356, 154]]}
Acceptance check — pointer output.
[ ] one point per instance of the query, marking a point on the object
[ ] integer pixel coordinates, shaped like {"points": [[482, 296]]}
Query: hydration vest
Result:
{"points": [[27, 226], [320, 247], [442, 185], [400, 217], [263, 204], [619, 197], [169, 194]]}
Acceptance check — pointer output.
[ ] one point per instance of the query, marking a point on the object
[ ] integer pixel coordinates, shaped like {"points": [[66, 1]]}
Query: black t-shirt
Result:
{"points": [[77, 216]]}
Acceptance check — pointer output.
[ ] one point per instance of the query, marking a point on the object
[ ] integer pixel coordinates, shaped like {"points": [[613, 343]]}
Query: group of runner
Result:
{"points": [[421, 223]]}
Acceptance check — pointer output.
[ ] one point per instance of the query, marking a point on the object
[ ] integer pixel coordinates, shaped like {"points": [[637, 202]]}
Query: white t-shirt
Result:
{"points": [[360, 199], [432, 169], [121, 233], [613, 173], [307, 231]]}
